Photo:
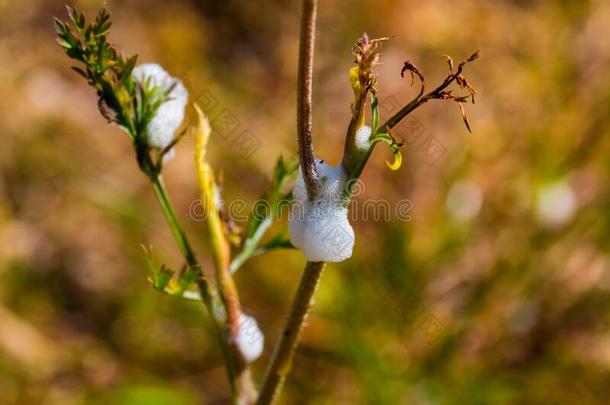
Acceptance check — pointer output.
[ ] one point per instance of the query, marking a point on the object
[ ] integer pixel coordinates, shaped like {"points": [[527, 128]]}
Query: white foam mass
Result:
{"points": [[320, 228], [250, 340], [161, 128], [362, 137], [556, 203], [464, 200]]}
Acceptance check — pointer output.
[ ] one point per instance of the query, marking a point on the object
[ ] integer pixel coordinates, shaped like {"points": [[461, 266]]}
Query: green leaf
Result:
{"points": [[63, 43], [160, 275], [125, 77], [186, 279], [264, 212], [106, 70], [60, 27], [102, 22], [394, 147], [73, 14], [374, 112], [269, 203], [279, 241], [260, 211], [80, 71]]}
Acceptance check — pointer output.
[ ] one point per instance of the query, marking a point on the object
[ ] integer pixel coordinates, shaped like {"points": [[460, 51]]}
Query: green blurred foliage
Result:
{"points": [[495, 290]]}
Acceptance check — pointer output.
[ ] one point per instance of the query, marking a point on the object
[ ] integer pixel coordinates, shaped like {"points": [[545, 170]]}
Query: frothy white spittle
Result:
{"points": [[161, 128], [464, 200], [218, 201], [250, 340], [362, 137], [320, 228], [556, 203]]}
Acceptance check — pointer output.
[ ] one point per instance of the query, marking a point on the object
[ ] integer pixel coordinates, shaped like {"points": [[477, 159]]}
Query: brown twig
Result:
{"points": [[438, 93], [281, 360], [304, 91]]}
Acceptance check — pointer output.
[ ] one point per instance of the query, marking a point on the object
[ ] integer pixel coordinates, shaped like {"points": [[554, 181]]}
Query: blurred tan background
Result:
{"points": [[493, 288]]}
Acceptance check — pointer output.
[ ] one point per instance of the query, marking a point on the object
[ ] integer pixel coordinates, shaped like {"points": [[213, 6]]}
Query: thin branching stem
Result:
{"points": [[304, 91], [281, 360], [191, 260], [419, 100], [249, 248]]}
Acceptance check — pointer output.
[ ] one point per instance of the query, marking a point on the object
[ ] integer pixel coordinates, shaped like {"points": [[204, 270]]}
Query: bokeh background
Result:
{"points": [[493, 289]]}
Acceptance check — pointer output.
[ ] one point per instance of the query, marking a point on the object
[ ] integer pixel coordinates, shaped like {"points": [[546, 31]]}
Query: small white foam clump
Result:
{"points": [[250, 340], [320, 228], [464, 200], [161, 128], [556, 203], [362, 137]]}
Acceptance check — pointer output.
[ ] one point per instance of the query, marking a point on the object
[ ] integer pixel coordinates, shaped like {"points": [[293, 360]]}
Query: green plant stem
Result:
{"points": [[403, 112], [177, 232], [250, 245], [185, 247], [281, 360]]}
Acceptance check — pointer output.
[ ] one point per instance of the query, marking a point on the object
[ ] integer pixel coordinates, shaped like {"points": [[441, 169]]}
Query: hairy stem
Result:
{"points": [[281, 360], [304, 90]]}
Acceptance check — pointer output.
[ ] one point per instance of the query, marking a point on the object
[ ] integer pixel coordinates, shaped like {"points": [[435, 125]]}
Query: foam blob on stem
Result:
{"points": [[320, 228], [362, 137], [250, 340], [162, 127]]}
